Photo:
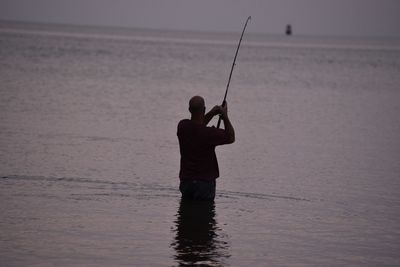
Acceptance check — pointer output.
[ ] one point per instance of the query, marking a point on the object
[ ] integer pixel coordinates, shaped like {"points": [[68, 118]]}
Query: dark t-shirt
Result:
{"points": [[197, 144]]}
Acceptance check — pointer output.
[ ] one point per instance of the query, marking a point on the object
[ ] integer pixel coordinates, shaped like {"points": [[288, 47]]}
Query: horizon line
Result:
{"points": [[126, 27]]}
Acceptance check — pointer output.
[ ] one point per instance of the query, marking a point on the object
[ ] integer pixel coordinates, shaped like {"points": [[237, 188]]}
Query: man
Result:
{"points": [[197, 142]]}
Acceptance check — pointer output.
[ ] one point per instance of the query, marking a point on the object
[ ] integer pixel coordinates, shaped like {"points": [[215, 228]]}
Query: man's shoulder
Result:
{"points": [[183, 125], [183, 122]]}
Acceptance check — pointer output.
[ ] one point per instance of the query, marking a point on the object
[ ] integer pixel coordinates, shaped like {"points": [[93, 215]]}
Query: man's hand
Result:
{"points": [[220, 110], [215, 110]]}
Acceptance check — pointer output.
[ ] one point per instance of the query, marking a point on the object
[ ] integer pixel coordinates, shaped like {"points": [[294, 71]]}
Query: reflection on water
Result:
{"points": [[199, 240]]}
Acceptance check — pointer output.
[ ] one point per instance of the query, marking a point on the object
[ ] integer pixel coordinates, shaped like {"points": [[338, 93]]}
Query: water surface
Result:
{"points": [[89, 156]]}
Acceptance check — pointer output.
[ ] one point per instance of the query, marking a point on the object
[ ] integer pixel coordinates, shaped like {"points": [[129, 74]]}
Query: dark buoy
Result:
{"points": [[288, 29]]}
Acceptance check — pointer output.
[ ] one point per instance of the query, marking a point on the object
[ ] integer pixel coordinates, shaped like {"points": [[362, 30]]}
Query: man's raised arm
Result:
{"points": [[213, 112], [227, 123]]}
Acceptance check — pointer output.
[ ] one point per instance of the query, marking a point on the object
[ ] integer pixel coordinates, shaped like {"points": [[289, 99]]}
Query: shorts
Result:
{"points": [[197, 189]]}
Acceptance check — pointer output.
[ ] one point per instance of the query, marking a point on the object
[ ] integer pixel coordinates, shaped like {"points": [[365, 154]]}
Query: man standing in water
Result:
{"points": [[197, 142]]}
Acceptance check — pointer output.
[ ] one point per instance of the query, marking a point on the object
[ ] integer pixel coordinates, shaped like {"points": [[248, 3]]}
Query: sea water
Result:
{"points": [[89, 157]]}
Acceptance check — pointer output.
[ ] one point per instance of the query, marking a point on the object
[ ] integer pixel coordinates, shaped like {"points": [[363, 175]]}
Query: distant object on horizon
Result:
{"points": [[288, 29]]}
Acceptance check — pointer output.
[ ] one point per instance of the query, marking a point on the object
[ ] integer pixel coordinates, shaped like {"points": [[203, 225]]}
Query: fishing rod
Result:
{"points": [[233, 65]]}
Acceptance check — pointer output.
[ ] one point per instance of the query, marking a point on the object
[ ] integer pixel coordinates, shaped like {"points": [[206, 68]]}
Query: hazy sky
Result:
{"points": [[332, 17]]}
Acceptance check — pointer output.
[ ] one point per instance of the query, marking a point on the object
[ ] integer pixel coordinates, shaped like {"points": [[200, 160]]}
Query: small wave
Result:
{"points": [[225, 193], [143, 189], [61, 179]]}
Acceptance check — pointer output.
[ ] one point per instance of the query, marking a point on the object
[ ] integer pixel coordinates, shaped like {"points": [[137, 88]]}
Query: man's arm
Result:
{"points": [[223, 111], [227, 123], [214, 111]]}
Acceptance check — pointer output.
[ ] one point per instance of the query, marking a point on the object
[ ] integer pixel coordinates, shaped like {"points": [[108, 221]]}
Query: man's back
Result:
{"points": [[197, 144]]}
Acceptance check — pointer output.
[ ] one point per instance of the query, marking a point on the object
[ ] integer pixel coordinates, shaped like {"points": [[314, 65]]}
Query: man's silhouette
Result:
{"points": [[197, 142]]}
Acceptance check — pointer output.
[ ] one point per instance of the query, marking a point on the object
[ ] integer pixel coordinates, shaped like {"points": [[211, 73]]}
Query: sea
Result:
{"points": [[89, 157]]}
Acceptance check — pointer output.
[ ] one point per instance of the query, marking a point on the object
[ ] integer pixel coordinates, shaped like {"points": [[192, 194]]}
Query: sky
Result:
{"points": [[307, 17]]}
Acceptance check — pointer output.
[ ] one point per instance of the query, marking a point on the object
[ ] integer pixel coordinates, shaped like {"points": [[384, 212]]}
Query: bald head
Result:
{"points": [[196, 105]]}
